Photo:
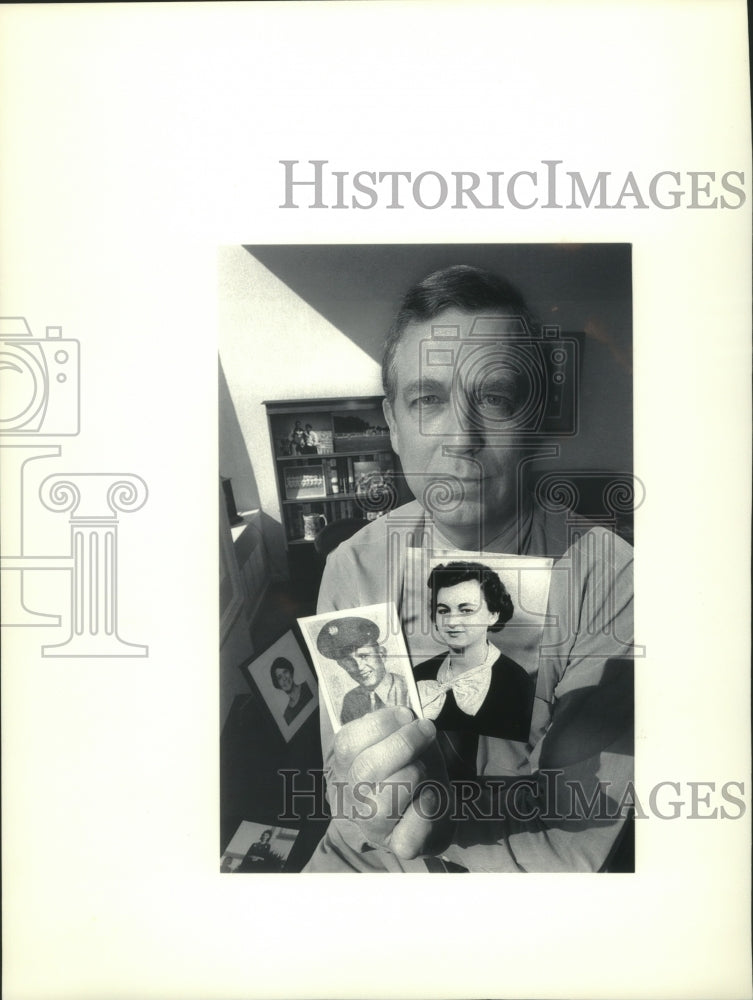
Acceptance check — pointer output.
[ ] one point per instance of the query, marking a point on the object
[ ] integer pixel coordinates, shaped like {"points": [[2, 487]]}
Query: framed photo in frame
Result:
{"points": [[286, 682]]}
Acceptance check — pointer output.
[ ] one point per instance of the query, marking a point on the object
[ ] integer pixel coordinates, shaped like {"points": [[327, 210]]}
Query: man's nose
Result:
{"points": [[464, 424]]}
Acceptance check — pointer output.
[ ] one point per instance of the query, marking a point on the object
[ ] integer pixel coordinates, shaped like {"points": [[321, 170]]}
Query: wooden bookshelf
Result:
{"points": [[333, 458]]}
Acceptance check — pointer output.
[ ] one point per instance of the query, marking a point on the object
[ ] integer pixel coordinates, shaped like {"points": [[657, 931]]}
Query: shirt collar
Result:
{"points": [[384, 687]]}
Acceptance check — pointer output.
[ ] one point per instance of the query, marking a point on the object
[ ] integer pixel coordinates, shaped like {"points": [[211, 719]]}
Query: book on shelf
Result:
{"points": [[333, 477], [293, 523]]}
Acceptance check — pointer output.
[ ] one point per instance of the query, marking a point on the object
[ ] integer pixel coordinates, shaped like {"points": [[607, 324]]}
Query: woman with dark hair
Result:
{"points": [[473, 688], [299, 695]]}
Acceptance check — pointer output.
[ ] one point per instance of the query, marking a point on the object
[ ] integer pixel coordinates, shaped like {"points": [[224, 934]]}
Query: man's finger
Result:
{"points": [[394, 752], [356, 736], [426, 825], [378, 806]]}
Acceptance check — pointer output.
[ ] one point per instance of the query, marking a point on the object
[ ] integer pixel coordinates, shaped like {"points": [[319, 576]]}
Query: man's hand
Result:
{"points": [[380, 760]]}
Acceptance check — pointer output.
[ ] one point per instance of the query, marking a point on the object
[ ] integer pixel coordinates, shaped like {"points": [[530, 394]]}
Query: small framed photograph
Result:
{"points": [[360, 430], [362, 662], [286, 683], [302, 434], [258, 847], [305, 482]]}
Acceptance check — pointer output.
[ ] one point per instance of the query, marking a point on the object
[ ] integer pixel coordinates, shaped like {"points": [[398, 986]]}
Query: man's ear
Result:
{"points": [[389, 416]]}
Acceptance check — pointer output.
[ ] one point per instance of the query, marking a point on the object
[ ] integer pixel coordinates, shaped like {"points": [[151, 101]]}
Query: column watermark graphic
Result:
{"points": [[40, 392]]}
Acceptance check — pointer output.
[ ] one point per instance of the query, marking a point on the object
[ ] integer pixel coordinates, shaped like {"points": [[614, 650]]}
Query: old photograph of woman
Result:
{"points": [[473, 688], [299, 695]]}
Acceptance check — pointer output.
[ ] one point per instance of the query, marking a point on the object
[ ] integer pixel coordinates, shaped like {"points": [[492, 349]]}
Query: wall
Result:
{"points": [[235, 460], [275, 346]]}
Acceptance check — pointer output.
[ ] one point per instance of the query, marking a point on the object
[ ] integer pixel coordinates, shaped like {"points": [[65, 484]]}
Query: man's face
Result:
{"points": [[284, 679], [366, 666], [450, 424]]}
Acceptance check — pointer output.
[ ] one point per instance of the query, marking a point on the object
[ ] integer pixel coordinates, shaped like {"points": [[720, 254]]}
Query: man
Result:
{"points": [[466, 388], [311, 441], [354, 643]]}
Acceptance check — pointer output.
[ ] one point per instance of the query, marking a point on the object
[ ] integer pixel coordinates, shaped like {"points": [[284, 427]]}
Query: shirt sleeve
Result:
{"points": [[339, 583]]}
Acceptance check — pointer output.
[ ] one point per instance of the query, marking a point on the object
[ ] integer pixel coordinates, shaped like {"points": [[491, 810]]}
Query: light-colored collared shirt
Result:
{"points": [[392, 689]]}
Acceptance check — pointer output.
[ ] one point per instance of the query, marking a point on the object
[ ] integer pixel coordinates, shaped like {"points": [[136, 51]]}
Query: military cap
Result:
{"points": [[340, 637]]}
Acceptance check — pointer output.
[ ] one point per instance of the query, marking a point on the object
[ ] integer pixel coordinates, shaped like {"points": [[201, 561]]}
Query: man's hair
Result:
{"points": [[280, 664], [494, 592], [470, 289]]}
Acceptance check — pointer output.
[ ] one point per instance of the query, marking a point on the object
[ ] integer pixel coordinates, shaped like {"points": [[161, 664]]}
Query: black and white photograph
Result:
{"points": [[453, 303], [258, 848], [305, 434], [286, 683], [475, 627], [362, 662], [507, 397]]}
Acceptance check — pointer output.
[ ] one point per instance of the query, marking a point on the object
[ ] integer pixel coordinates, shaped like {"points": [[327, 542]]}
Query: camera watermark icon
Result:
{"points": [[39, 381], [39, 400], [502, 381]]}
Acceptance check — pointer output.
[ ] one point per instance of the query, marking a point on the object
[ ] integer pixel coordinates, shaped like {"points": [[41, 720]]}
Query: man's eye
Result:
{"points": [[496, 401], [429, 400]]}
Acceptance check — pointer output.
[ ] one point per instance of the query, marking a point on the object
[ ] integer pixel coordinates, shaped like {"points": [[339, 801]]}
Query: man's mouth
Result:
{"points": [[467, 482], [468, 477]]}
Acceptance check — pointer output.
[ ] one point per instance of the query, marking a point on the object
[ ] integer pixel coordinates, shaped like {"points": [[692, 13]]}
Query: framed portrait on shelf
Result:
{"points": [[295, 434], [286, 682]]}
